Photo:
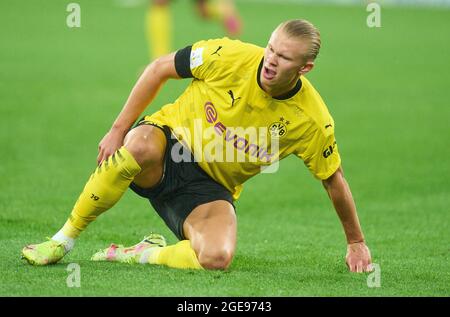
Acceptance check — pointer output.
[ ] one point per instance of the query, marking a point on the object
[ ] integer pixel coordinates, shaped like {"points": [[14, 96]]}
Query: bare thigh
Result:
{"points": [[212, 229]]}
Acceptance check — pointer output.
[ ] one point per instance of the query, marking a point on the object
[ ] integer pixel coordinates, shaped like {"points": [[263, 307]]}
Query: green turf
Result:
{"points": [[387, 88]]}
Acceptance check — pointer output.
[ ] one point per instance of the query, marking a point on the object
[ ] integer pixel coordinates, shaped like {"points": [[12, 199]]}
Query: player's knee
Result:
{"points": [[217, 259], [145, 145]]}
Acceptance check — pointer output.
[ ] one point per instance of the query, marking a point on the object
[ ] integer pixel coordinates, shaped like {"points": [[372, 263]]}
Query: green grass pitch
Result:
{"points": [[387, 88]]}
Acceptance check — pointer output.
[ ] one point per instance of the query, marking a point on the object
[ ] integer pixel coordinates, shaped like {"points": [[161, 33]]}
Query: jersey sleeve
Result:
{"points": [[205, 59], [320, 154], [182, 62]]}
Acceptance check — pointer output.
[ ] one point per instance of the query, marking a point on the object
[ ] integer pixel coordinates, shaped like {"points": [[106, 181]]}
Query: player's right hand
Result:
{"points": [[110, 143], [358, 258]]}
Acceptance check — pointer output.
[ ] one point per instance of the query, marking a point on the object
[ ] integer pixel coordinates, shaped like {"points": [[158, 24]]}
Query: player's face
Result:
{"points": [[283, 62]]}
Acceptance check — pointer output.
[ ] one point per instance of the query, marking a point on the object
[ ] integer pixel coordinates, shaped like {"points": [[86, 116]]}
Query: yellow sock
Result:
{"points": [[180, 256], [159, 30], [103, 189]]}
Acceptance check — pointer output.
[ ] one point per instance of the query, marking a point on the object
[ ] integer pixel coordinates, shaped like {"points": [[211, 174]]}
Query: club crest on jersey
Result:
{"points": [[278, 129]]}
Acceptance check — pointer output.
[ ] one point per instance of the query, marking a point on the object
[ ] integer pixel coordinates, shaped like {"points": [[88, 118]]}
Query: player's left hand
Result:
{"points": [[358, 257]]}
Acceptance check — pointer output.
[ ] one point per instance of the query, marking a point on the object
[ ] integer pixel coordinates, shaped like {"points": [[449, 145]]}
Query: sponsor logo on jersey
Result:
{"points": [[239, 142], [329, 150]]}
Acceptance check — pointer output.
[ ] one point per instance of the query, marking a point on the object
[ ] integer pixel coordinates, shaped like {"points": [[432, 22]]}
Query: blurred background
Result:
{"points": [[387, 87]]}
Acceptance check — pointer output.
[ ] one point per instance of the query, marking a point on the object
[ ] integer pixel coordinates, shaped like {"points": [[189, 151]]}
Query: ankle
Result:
{"points": [[67, 241]]}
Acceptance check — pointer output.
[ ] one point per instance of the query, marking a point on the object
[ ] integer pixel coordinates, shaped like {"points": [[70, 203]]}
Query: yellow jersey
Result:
{"points": [[233, 127]]}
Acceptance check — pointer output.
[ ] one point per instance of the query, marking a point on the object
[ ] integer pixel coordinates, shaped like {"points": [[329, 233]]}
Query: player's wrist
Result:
{"points": [[119, 129], [349, 244], [355, 240]]}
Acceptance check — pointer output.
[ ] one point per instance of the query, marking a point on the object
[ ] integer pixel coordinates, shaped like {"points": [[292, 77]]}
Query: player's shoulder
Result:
{"points": [[226, 47], [315, 108]]}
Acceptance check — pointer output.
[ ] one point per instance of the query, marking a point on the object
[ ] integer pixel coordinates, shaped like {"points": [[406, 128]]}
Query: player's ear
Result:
{"points": [[306, 68]]}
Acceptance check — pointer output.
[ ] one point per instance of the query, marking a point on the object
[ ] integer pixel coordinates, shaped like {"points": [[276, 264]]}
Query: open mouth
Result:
{"points": [[268, 73]]}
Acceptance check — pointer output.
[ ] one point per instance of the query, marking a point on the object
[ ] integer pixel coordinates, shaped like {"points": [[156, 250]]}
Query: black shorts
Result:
{"points": [[183, 187]]}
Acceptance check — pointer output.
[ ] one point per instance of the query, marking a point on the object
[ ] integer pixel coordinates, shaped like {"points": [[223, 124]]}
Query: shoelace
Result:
{"points": [[58, 243], [151, 237]]}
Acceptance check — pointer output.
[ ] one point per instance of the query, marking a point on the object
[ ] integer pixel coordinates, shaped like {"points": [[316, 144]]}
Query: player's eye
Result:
{"points": [[286, 58]]}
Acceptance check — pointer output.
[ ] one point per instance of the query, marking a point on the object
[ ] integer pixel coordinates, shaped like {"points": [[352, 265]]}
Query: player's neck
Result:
{"points": [[280, 90]]}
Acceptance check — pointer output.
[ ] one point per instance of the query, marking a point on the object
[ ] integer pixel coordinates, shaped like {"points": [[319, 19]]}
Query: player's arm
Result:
{"points": [[144, 91], [358, 255]]}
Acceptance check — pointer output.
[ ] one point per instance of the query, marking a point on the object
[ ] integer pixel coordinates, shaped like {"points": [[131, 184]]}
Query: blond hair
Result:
{"points": [[303, 29]]}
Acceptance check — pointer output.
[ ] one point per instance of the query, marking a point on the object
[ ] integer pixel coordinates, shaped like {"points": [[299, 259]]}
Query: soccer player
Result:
{"points": [[159, 22], [245, 109]]}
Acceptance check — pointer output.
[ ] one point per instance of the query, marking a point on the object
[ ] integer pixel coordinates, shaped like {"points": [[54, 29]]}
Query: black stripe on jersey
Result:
{"points": [[183, 62]]}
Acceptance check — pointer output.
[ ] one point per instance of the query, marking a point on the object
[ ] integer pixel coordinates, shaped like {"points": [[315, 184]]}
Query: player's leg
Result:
{"points": [[196, 209], [140, 158], [223, 11], [202, 8], [147, 144], [159, 28], [210, 230]]}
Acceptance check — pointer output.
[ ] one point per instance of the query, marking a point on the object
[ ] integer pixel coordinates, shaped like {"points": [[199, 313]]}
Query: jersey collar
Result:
{"points": [[284, 96]]}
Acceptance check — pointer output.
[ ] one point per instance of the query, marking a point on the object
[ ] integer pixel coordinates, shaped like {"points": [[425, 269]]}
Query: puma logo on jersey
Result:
{"points": [[328, 126], [217, 51], [230, 92]]}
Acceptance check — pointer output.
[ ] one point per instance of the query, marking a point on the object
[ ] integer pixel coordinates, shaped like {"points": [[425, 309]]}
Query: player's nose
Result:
{"points": [[270, 60]]}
